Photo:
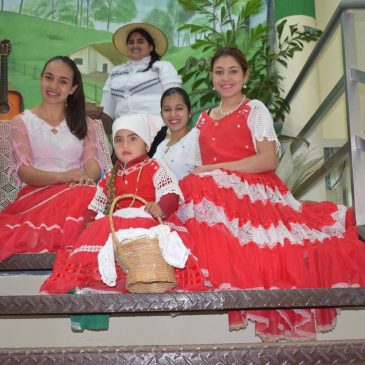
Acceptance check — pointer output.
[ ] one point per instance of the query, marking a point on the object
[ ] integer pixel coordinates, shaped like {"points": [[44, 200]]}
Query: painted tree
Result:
{"points": [[87, 13], [65, 12], [179, 17], [231, 30], [162, 20], [39, 8], [53, 9], [117, 11], [77, 12], [21, 6]]}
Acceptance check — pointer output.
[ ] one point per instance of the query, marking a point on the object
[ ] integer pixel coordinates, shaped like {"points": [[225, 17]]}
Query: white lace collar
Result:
{"points": [[144, 61]]}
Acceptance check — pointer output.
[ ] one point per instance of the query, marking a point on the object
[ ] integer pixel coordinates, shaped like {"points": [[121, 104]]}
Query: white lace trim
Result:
{"points": [[99, 201], [106, 263], [339, 227], [87, 290], [261, 124], [165, 182], [134, 168], [45, 201], [296, 233], [194, 155], [75, 219], [86, 248], [104, 150], [31, 225], [176, 227], [256, 192]]}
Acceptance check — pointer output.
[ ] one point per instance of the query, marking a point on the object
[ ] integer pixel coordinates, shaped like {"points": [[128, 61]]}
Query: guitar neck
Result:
{"points": [[4, 80]]}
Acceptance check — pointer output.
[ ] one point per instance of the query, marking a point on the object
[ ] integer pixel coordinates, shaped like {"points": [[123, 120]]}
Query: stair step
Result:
{"points": [[317, 352], [187, 301], [38, 261]]}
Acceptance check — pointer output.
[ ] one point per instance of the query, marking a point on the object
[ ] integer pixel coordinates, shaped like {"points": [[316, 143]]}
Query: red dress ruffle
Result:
{"points": [[78, 268], [250, 233], [44, 218]]}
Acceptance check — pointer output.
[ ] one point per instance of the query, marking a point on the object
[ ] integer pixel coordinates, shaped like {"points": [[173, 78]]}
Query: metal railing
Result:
{"points": [[347, 85]]}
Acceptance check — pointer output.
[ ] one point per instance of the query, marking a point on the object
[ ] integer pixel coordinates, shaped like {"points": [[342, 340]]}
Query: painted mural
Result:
{"points": [[83, 29]]}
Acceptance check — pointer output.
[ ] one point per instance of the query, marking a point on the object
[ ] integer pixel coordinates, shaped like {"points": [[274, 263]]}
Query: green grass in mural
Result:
{"points": [[35, 40]]}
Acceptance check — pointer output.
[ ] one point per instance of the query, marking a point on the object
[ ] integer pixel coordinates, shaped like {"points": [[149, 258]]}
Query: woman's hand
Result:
{"points": [[77, 177], [204, 168], [154, 209], [82, 181]]}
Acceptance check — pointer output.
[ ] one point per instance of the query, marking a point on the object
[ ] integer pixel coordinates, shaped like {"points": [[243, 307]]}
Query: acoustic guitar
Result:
{"points": [[11, 102]]}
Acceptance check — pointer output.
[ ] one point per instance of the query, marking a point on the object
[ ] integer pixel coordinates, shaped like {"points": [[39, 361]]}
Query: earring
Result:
{"points": [[244, 86], [213, 88]]}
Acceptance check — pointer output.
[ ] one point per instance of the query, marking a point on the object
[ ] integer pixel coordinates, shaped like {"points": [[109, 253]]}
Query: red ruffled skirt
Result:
{"points": [[44, 218], [250, 233], [78, 268]]}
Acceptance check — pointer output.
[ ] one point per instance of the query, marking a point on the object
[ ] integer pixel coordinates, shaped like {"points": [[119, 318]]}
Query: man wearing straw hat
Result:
{"points": [[137, 85]]}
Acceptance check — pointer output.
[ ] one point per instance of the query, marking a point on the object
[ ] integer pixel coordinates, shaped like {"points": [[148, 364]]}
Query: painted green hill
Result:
{"points": [[35, 40]]}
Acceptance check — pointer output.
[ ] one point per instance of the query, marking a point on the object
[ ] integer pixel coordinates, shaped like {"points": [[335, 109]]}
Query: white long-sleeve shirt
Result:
{"points": [[129, 90]]}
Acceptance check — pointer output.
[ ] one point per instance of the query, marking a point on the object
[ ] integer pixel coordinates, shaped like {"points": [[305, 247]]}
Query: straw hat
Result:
{"points": [[121, 34]]}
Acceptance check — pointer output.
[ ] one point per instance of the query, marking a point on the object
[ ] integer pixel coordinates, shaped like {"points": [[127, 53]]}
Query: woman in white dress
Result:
{"points": [[57, 158], [137, 85], [176, 113]]}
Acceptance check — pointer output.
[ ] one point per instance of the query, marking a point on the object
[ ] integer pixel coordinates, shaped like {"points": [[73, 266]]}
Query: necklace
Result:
{"points": [[138, 178], [232, 110]]}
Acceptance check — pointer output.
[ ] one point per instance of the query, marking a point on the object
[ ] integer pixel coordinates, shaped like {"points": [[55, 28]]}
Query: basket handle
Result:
{"points": [[116, 199]]}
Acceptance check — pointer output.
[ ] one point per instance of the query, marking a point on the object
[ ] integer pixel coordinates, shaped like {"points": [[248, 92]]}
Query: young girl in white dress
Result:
{"points": [[176, 113]]}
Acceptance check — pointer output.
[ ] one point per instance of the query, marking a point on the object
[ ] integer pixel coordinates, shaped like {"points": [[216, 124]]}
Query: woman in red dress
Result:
{"points": [[250, 232], [56, 157]]}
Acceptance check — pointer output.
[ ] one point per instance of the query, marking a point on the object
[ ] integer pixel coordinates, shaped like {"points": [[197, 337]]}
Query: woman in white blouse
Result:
{"points": [[176, 113], [137, 85], [56, 156]]}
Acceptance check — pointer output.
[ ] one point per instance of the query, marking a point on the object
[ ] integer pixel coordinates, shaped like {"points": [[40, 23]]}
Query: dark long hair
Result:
{"points": [[177, 90], [147, 36], [233, 52], [75, 109]]}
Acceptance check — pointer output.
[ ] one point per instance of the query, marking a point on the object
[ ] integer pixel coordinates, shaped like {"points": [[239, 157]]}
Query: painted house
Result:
{"points": [[98, 57]]}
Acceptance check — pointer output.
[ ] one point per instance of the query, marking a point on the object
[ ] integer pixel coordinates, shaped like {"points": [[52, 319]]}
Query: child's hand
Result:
{"points": [[153, 209]]}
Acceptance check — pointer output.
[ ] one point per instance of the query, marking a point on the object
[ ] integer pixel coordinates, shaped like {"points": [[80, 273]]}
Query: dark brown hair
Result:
{"points": [[75, 109], [177, 90], [233, 52], [147, 36], [111, 188]]}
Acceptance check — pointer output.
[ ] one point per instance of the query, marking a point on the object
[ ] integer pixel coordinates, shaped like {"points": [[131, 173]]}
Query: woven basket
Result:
{"points": [[141, 260]]}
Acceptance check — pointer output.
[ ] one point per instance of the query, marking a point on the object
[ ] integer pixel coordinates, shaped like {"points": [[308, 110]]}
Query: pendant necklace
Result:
{"points": [[234, 109]]}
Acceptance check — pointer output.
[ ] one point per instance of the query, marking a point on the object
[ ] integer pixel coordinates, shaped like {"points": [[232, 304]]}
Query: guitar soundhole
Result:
{"points": [[4, 108]]}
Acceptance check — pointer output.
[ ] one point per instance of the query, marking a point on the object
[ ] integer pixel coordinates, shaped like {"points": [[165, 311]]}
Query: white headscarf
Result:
{"points": [[144, 125]]}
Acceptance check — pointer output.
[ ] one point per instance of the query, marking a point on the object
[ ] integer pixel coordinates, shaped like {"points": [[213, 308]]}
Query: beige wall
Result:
{"points": [[83, 54], [304, 103], [92, 60], [332, 132]]}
